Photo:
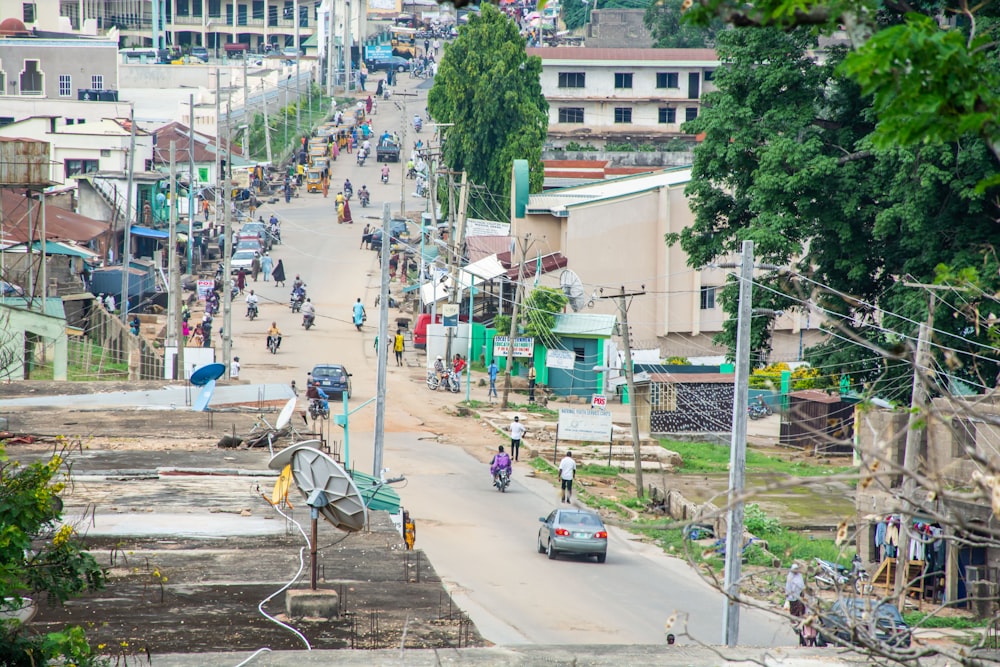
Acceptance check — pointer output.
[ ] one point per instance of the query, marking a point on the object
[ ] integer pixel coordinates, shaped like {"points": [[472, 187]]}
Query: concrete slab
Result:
{"points": [[307, 603], [174, 397], [183, 525]]}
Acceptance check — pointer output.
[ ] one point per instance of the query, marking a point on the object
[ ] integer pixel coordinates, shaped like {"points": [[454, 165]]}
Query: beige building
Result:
{"points": [[633, 95], [612, 234]]}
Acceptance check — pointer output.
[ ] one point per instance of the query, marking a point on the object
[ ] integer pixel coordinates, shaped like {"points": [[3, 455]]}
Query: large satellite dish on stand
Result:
{"points": [[572, 287], [328, 489]]}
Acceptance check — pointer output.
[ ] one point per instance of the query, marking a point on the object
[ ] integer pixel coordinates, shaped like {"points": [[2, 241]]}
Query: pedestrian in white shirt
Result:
{"points": [[517, 431], [567, 471], [234, 369]]}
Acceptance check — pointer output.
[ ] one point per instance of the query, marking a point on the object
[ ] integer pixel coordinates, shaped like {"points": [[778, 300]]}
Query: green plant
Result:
{"points": [[647, 148], [502, 324], [539, 312], [622, 147], [677, 361], [758, 523], [708, 458], [574, 146]]}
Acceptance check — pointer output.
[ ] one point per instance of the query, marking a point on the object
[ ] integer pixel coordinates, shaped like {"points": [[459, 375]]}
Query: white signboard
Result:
{"points": [[583, 424], [205, 288], [564, 359], [501, 346], [524, 346], [598, 401], [476, 227]]}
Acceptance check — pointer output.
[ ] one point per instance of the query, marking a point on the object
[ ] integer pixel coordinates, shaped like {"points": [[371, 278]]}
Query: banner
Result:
{"points": [[524, 347], [564, 359], [583, 424], [449, 314], [501, 346]]}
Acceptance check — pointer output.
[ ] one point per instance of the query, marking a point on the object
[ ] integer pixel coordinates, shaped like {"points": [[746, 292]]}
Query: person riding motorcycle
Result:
{"points": [[308, 311], [441, 371], [411, 169], [348, 189], [316, 393], [251, 303], [385, 173], [297, 284], [274, 333], [364, 195], [501, 461]]}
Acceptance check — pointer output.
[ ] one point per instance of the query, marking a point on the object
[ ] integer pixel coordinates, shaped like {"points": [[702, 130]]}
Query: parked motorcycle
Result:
{"points": [[501, 480], [308, 320], [317, 410], [758, 410], [831, 575]]}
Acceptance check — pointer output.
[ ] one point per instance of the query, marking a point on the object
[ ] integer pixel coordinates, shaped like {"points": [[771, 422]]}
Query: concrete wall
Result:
{"points": [[618, 28], [79, 59], [15, 323], [653, 159]]}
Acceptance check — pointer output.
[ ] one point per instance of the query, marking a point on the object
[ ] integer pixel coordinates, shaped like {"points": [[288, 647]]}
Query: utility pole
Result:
{"points": [[172, 296], [127, 246], [191, 182], [348, 83], [227, 300], [219, 200], [298, 52], [622, 303], [453, 256], [267, 128], [383, 346], [329, 49], [738, 454], [246, 94], [513, 322]]}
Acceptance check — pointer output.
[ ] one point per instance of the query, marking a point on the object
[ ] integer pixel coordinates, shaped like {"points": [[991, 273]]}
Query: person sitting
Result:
{"points": [[274, 333], [363, 193], [134, 325], [440, 370], [501, 461], [251, 303], [297, 284], [316, 393]]}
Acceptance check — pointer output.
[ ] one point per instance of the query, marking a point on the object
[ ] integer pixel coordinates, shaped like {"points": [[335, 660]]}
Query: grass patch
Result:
{"points": [[706, 457], [541, 465], [598, 471], [76, 371], [920, 619]]}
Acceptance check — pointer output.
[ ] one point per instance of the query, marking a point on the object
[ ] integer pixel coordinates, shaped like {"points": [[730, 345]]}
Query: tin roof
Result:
{"points": [[692, 378], [584, 324], [707, 56]]}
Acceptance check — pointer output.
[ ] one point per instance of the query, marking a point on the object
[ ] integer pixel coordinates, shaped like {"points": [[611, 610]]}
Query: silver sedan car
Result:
{"points": [[573, 531]]}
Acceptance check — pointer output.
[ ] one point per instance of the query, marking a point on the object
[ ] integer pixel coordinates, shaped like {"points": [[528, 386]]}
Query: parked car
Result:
{"points": [[249, 243], [864, 622], [241, 260], [260, 230], [573, 531], [397, 230], [398, 63], [199, 52], [333, 379]]}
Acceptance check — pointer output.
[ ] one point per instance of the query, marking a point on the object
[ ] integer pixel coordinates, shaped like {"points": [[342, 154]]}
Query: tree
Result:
{"points": [[789, 162], [665, 21], [490, 91], [39, 560], [540, 309]]}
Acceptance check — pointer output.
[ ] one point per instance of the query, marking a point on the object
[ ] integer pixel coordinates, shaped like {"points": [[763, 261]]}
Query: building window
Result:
{"points": [[74, 167], [708, 298], [97, 82], [105, 152], [70, 121], [580, 355], [28, 10], [668, 115], [570, 114], [623, 79], [32, 79], [663, 397], [667, 80], [709, 75], [65, 85], [623, 114], [572, 79], [690, 113]]}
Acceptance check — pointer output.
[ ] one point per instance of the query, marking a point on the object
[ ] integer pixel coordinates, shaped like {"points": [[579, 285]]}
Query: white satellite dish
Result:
{"points": [[314, 471], [284, 457], [285, 415], [572, 287]]}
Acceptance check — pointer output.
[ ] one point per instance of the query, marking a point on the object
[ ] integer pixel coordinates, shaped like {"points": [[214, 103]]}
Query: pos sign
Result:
{"points": [[598, 401]]}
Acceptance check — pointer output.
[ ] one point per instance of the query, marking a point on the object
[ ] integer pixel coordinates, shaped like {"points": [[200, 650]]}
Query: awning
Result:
{"points": [[485, 269], [148, 233], [54, 248]]}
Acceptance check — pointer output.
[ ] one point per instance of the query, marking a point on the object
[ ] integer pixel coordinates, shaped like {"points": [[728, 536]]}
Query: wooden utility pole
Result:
{"points": [[513, 321]]}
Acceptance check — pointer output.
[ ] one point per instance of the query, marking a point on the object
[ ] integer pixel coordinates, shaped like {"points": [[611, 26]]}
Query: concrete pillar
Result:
{"points": [[60, 358]]}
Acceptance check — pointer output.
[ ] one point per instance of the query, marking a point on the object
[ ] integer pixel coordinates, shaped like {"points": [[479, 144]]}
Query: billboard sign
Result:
{"points": [[582, 424]]}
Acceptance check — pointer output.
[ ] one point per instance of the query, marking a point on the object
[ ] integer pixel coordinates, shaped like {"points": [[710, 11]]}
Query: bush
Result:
{"points": [[760, 524], [622, 147]]}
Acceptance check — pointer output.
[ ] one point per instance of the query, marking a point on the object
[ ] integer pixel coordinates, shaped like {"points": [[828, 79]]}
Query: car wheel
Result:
{"points": [[401, 69], [541, 549], [550, 552], [601, 558]]}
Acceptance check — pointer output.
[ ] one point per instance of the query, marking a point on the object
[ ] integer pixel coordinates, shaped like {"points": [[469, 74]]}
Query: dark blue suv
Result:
{"points": [[333, 379]]}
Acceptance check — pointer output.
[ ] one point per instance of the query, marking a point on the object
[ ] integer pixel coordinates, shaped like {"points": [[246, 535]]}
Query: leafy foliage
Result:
{"points": [[540, 310], [665, 21], [803, 377], [490, 90], [40, 561]]}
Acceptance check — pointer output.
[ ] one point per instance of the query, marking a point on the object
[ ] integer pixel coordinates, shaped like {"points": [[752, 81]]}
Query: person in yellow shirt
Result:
{"points": [[398, 345], [274, 332]]}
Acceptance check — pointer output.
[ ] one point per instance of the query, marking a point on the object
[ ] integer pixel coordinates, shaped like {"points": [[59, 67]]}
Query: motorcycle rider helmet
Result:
{"points": [[439, 357]]}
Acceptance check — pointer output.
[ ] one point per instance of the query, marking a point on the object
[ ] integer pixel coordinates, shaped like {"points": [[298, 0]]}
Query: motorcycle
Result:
{"points": [[411, 172], [252, 311], [272, 343], [364, 197], [348, 191], [831, 575], [501, 480], [317, 410], [361, 157], [297, 299], [758, 410], [454, 381], [385, 177], [308, 320], [418, 123]]}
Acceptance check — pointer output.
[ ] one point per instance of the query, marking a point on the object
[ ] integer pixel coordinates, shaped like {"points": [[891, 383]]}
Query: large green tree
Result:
{"points": [[42, 561], [490, 92], [666, 23], [789, 161]]}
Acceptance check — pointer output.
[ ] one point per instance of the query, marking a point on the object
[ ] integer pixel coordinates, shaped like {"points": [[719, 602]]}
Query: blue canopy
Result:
{"points": [[150, 233]]}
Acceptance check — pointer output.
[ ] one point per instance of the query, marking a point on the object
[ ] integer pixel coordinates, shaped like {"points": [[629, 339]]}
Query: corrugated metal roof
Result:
{"points": [[477, 247], [584, 324], [815, 396], [592, 53], [559, 201], [693, 378]]}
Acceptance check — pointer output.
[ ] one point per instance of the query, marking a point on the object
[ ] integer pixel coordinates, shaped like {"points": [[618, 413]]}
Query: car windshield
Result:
{"points": [[328, 372]]}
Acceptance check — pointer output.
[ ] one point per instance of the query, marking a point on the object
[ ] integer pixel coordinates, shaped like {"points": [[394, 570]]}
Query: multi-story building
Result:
{"points": [[616, 95]]}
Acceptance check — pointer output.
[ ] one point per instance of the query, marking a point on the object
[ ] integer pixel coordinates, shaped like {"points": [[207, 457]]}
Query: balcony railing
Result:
{"points": [[188, 20]]}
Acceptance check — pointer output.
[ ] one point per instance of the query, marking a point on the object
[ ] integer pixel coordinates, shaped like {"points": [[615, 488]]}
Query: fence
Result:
{"points": [[119, 346]]}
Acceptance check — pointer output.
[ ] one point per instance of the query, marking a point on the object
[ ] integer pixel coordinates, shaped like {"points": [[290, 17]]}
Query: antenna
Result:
{"points": [[205, 377], [572, 287]]}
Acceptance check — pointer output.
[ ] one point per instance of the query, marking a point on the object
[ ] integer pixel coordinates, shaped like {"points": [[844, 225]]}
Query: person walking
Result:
{"points": [[517, 432], [255, 266], [366, 237], [567, 471], [531, 383], [795, 586], [347, 213], [493, 370], [266, 264], [398, 345], [279, 273], [241, 280], [326, 186], [234, 369]]}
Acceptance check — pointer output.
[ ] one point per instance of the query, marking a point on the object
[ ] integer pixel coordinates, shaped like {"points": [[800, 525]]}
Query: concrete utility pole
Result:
{"points": [[348, 83], [454, 265], [298, 52], [513, 321], [267, 128], [383, 346], [191, 182], [172, 296], [330, 43], [227, 300], [218, 145], [738, 454], [127, 246], [620, 301]]}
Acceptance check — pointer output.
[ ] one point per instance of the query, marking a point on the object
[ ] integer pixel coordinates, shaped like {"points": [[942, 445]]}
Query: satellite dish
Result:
{"points": [[284, 457], [285, 415], [314, 471], [572, 287], [201, 403], [208, 372]]}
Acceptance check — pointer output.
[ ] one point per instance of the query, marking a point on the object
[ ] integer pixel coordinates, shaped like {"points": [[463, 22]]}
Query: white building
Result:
{"points": [[633, 95]]}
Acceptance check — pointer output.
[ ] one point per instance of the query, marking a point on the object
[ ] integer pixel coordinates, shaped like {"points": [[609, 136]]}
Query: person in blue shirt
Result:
{"points": [[359, 314], [493, 370]]}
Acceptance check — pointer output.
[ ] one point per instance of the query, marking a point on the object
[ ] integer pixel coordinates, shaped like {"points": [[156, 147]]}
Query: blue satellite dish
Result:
{"points": [[201, 403], [207, 373]]}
